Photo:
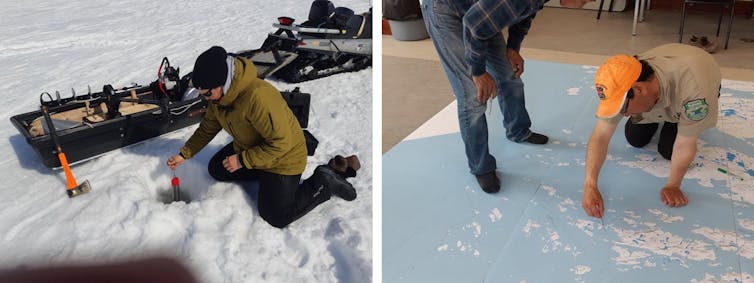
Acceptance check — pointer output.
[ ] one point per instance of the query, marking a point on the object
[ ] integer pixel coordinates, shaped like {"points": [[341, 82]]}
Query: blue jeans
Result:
{"points": [[446, 31]]}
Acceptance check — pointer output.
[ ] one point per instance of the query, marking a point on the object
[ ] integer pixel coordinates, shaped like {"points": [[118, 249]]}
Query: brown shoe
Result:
{"points": [[536, 138], [339, 163], [707, 45], [343, 164], [353, 162], [694, 41], [489, 182]]}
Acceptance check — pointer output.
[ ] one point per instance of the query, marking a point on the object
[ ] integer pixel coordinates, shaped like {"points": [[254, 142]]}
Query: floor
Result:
{"points": [[406, 104], [438, 226]]}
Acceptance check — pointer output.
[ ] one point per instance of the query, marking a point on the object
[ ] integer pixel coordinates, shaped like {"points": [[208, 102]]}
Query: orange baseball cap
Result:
{"points": [[613, 80]]}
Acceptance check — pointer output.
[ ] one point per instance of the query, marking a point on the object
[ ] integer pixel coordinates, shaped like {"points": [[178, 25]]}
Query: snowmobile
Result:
{"points": [[91, 124], [332, 40]]}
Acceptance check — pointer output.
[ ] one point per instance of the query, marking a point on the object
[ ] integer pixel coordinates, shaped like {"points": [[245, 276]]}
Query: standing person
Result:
{"points": [[268, 142], [480, 65], [676, 84]]}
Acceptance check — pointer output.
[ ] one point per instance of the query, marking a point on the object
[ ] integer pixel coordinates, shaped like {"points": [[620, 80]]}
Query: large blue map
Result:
{"points": [[438, 226]]}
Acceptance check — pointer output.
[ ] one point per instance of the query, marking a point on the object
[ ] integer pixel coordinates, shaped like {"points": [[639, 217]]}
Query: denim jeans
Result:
{"points": [[446, 31]]}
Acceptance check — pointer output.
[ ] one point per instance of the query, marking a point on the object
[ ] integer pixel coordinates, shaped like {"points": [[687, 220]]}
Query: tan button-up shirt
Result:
{"points": [[689, 88]]}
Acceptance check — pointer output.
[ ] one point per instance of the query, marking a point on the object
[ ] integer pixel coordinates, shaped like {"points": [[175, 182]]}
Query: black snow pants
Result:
{"points": [[282, 199]]}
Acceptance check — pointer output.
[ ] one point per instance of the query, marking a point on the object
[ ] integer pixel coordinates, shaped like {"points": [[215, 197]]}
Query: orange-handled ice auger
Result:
{"points": [[74, 189]]}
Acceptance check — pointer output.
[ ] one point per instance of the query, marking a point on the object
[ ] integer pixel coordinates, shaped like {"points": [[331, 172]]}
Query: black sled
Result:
{"points": [[332, 40], [91, 124]]}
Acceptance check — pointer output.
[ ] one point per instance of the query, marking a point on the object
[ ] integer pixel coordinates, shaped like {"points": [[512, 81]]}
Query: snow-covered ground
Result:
{"points": [[53, 44]]}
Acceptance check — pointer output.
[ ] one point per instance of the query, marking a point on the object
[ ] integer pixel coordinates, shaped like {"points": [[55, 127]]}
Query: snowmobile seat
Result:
{"points": [[340, 16], [354, 25], [360, 26], [319, 12]]}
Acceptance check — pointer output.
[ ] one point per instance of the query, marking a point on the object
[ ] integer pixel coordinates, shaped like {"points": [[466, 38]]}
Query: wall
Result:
{"points": [[742, 7]]}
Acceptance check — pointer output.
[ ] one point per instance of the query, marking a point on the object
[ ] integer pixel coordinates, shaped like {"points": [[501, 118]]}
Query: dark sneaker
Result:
{"points": [[535, 138], [489, 182], [337, 185], [707, 45], [694, 41]]}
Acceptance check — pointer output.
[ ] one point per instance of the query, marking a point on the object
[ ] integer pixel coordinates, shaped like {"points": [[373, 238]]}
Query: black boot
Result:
{"points": [[536, 138], [326, 176], [489, 182]]}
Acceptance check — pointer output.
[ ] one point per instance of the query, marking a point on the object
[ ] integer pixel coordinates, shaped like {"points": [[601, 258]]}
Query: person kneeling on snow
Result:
{"points": [[268, 142]]}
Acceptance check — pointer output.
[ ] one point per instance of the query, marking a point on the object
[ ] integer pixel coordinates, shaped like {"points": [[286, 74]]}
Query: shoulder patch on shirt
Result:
{"points": [[696, 109]]}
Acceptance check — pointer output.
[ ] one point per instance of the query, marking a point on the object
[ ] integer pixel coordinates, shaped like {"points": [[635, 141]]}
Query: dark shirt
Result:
{"points": [[484, 19]]}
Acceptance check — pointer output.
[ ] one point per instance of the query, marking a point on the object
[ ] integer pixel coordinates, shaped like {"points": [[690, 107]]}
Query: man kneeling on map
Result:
{"points": [[675, 84]]}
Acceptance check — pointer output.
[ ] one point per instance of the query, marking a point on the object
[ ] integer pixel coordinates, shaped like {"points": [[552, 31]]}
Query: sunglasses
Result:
{"points": [[208, 93], [629, 96]]}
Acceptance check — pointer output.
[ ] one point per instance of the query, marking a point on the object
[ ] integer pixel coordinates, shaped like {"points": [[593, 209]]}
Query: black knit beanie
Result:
{"points": [[210, 69]]}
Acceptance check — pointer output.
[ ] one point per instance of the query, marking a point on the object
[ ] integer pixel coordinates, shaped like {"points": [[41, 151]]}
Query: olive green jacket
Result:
{"points": [[266, 134]]}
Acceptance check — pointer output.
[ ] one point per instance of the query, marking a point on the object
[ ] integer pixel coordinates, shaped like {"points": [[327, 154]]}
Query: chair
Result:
{"points": [[639, 7], [722, 3], [609, 9]]}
